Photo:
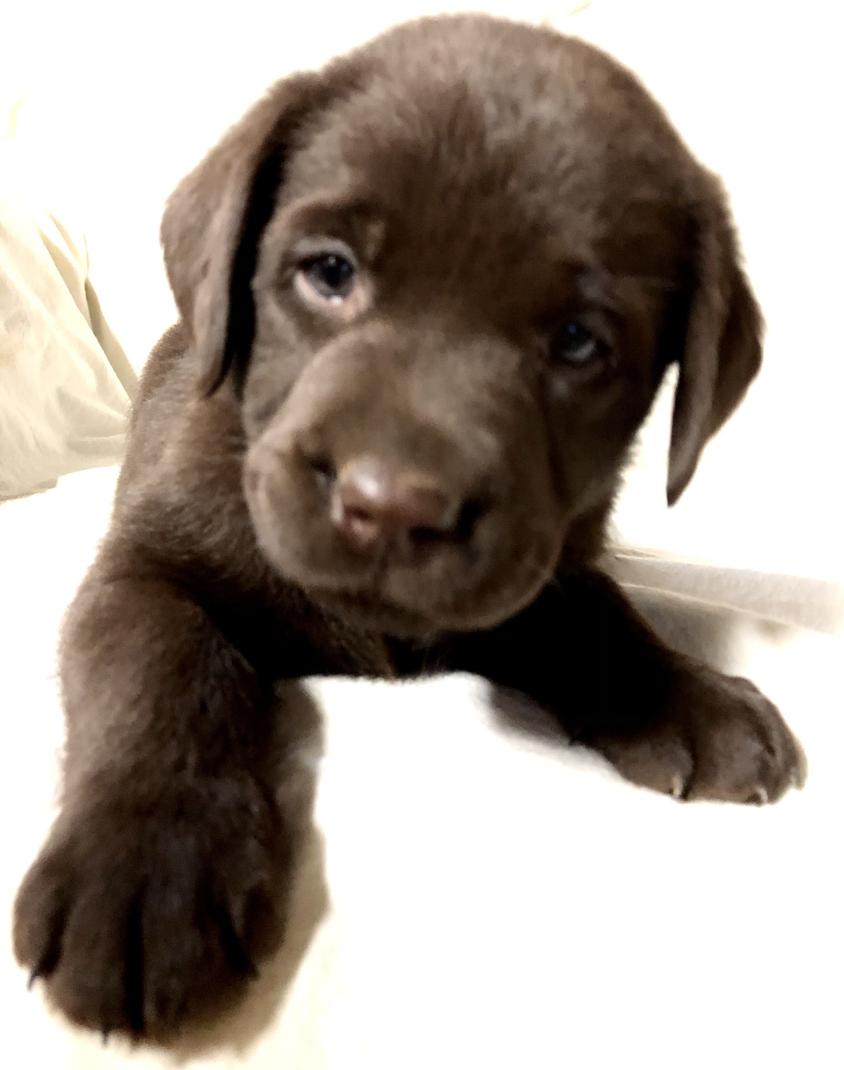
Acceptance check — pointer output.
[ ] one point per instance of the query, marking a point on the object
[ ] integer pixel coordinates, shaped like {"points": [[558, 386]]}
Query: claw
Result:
{"points": [[798, 777], [239, 958], [106, 1033], [33, 977], [677, 786]]}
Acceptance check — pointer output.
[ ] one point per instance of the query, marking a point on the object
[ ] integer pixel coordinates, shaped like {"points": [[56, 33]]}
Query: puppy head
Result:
{"points": [[443, 279]]}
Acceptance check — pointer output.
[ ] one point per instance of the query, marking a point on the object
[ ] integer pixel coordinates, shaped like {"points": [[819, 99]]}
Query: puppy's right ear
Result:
{"points": [[722, 348], [214, 220]]}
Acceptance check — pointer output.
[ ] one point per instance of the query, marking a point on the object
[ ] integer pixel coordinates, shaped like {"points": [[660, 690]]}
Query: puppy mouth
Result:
{"points": [[435, 583], [418, 607]]}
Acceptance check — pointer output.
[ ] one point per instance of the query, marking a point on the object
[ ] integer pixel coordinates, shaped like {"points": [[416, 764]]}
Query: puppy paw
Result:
{"points": [[714, 737], [138, 920]]}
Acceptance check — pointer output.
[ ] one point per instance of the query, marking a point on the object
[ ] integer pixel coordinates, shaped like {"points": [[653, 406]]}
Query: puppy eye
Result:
{"points": [[331, 275], [575, 344]]}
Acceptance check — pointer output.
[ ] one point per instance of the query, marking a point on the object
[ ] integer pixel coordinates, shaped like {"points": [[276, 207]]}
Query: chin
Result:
{"points": [[415, 602], [372, 613], [372, 608]]}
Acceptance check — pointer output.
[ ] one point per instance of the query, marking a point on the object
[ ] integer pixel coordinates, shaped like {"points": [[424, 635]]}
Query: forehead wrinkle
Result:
{"points": [[436, 151]]}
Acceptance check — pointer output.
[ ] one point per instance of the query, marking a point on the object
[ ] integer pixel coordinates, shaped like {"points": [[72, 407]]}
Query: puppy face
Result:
{"points": [[468, 268]]}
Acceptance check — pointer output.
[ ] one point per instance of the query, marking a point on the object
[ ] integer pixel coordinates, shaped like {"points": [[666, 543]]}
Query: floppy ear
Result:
{"points": [[722, 348], [214, 220]]}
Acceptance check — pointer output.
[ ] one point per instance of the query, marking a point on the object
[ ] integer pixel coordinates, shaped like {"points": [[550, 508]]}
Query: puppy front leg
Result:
{"points": [[157, 886], [664, 720]]}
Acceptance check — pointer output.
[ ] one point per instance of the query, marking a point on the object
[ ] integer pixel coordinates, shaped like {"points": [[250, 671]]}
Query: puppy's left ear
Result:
{"points": [[722, 350], [214, 220]]}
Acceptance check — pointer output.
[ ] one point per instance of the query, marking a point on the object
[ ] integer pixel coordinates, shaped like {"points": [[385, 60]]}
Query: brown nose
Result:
{"points": [[373, 504]]}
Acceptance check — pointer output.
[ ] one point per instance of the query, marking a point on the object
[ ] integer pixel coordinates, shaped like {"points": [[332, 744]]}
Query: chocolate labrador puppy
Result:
{"points": [[427, 296]]}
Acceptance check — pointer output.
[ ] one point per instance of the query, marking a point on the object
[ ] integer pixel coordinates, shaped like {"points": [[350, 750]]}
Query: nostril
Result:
{"points": [[323, 471], [471, 513], [358, 516], [422, 511], [361, 527]]}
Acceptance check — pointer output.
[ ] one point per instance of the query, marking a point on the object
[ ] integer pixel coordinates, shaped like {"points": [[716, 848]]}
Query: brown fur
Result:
{"points": [[493, 182]]}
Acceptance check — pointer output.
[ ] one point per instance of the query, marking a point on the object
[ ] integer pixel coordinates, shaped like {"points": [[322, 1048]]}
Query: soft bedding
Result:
{"points": [[65, 384]]}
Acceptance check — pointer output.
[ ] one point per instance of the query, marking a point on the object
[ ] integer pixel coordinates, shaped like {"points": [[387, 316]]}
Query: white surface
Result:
{"points": [[478, 894]]}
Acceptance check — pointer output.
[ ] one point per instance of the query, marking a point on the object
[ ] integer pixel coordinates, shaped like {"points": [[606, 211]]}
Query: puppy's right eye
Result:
{"points": [[330, 275], [576, 345]]}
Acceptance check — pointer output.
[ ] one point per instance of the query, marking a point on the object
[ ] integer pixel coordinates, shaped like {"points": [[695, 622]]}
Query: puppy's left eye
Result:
{"points": [[331, 275], [575, 344]]}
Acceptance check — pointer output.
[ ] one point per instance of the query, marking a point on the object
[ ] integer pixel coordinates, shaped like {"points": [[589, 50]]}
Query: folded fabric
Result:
{"points": [[65, 383]]}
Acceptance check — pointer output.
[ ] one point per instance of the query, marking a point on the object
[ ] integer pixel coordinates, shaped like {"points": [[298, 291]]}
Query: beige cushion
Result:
{"points": [[65, 384]]}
